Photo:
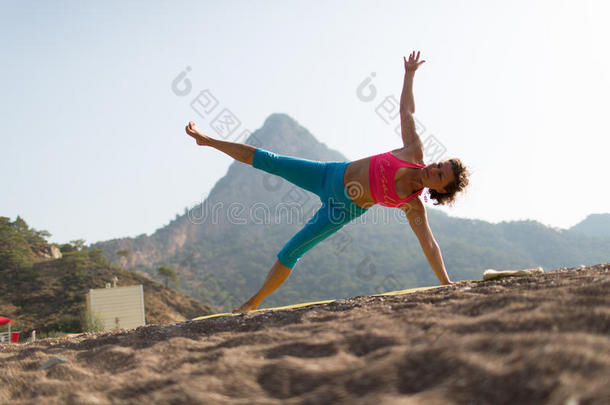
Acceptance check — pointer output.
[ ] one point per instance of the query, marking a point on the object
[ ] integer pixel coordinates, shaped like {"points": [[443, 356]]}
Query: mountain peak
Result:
{"points": [[282, 134], [279, 119], [596, 225]]}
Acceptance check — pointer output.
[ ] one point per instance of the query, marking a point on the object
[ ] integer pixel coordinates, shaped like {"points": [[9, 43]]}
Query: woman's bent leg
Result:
{"points": [[318, 228], [335, 212], [326, 221], [276, 277]]}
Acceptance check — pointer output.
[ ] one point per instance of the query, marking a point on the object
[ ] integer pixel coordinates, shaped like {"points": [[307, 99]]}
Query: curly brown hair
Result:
{"points": [[461, 174]]}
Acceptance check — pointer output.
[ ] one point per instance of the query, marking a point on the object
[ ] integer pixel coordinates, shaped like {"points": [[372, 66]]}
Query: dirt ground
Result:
{"points": [[539, 339]]}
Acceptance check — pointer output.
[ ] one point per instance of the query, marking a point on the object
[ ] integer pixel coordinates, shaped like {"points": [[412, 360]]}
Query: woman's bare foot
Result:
{"points": [[199, 136], [247, 306]]}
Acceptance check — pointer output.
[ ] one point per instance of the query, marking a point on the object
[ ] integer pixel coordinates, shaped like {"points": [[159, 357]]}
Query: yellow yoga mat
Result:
{"points": [[307, 304]]}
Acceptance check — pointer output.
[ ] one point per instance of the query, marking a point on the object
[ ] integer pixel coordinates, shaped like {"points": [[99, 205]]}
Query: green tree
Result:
{"points": [[79, 244], [168, 274], [66, 248], [76, 245], [15, 250], [31, 235]]}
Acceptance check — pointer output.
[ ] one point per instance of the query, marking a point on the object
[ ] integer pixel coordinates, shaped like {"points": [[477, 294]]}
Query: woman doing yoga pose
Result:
{"points": [[348, 189]]}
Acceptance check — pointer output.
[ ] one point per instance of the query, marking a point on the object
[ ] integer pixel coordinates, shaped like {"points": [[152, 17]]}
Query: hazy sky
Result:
{"points": [[91, 134]]}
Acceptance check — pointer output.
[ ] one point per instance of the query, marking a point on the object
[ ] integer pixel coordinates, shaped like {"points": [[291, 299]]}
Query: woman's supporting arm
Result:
{"points": [[435, 258], [418, 219]]}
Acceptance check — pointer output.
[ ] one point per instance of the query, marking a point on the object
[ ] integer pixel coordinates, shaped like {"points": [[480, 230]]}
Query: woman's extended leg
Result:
{"points": [[238, 151], [277, 275], [307, 174]]}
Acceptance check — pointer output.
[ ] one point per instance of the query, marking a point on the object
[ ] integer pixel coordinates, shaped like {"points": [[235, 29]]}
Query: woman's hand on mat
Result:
{"points": [[413, 63], [193, 131]]}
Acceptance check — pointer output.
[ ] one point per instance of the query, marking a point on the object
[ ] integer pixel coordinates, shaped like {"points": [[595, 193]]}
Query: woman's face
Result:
{"points": [[438, 175]]}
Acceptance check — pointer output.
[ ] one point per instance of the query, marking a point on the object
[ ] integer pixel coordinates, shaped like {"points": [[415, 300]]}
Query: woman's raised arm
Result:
{"points": [[406, 98], [410, 138]]}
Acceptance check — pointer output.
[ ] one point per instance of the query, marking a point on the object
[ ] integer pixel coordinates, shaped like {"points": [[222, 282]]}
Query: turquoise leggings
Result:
{"points": [[322, 178]]}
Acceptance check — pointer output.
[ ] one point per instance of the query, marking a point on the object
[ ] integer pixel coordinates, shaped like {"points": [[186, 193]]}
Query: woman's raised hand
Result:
{"points": [[413, 63]]}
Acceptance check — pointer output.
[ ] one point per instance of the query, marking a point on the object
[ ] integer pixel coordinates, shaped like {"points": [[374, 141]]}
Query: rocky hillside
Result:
{"points": [[45, 289]]}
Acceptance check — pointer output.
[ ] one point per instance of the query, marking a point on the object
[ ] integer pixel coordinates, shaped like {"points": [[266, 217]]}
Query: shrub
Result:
{"points": [[91, 322]]}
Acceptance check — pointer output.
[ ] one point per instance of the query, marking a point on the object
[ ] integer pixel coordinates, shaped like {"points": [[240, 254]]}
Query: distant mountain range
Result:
{"points": [[223, 247], [595, 225]]}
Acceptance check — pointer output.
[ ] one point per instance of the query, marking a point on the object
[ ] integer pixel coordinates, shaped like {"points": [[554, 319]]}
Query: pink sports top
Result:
{"points": [[382, 170]]}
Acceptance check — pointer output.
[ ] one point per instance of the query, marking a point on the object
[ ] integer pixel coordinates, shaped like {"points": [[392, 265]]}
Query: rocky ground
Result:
{"points": [[539, 339]]}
